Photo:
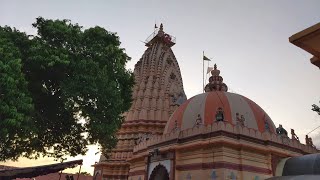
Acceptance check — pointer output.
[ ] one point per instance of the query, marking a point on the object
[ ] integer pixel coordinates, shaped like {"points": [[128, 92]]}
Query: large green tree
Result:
{"points": [[78, 86]]}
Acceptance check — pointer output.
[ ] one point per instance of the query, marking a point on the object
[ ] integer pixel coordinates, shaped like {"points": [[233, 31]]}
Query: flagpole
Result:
{"points": [[202, 72]]}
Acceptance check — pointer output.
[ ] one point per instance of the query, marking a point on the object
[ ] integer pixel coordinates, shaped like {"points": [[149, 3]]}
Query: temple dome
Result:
{"points": [[206, 108]]}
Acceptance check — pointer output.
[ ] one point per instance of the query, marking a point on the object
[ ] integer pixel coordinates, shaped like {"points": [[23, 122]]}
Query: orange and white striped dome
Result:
{"points": [[204, 108]]}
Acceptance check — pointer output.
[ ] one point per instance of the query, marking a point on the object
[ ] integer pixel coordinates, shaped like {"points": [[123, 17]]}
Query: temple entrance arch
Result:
{"points": [[159, 173]]}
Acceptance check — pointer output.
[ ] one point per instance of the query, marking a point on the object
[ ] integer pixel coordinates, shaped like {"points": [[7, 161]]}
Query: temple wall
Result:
{"points": [[222, 150], [229, 128], [137, 170], [136, 178], [219, 174], [112, 173], [222, 161]]}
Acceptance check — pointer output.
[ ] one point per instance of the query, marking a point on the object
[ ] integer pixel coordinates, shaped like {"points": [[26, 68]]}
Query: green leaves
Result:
{"points": [[15, 101], [75, 88]]}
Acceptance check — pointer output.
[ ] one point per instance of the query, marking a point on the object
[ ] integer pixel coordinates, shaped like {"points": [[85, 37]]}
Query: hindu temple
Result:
{"points": [[210, 136]]}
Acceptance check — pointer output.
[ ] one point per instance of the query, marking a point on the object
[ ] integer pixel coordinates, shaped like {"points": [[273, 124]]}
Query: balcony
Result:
{"points": [[309, 40]]}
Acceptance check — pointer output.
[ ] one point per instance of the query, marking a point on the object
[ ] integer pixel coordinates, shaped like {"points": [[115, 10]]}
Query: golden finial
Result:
{"points": [[215, 71], [161, 27]]}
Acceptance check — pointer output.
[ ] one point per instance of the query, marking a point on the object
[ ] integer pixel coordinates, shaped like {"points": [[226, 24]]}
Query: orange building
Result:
{"points": [[213, 135]]}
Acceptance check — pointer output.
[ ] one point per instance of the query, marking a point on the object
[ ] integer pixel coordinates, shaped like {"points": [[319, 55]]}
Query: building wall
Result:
{"points": [[137, 170], [217, 162], [210, 152], [212, 163], [220, 174]]}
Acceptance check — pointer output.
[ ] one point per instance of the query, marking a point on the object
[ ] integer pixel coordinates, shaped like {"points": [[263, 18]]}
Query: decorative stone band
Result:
{"points": [[229, 130], [122, 150], [112, 163], [141, 129], [141, 126], [221, 164], [116, 176], [137, 173], [144, 121]]}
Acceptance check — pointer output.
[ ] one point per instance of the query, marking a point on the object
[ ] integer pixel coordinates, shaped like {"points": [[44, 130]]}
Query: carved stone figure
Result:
{"points": [[143, 137], [176, 127], [177, 101], [293, 135], [281, 131], [310, 143], [198, 121], [219, 115], [266, 125], [240, 119]]}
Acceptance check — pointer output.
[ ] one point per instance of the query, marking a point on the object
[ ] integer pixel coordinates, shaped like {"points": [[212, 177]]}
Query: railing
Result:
{"points": [[221, 126], [155, 33]]}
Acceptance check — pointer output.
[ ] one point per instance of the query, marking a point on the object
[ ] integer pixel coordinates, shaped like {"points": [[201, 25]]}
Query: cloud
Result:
{"points": [[28, 30]]}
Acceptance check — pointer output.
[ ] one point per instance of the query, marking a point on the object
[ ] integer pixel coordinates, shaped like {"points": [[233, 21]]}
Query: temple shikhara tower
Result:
{"points": [[215, 135], [158, 91]]}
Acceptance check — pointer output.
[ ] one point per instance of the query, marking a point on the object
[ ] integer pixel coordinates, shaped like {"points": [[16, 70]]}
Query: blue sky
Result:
{"points": [[248, 39]]}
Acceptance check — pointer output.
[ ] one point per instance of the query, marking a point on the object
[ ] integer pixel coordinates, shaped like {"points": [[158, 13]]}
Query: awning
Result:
{"points": [[30, 172]]}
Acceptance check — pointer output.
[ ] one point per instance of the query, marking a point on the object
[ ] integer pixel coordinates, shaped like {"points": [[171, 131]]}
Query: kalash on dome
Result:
{"points": [[211, 136]]}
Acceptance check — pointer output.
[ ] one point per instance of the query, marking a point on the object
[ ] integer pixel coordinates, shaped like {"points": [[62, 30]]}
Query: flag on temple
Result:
{"points": [[209, 69], [205, 58]]}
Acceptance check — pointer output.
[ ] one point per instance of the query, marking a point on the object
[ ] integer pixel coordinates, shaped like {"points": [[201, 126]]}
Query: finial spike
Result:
{"points": [[161, 27], [216, 81]]}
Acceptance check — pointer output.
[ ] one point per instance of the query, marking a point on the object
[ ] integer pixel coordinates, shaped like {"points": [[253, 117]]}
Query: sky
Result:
{"points": [[248, 39]]}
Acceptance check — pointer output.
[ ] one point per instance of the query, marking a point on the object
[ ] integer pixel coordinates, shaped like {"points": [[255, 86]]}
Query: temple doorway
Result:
{"points": [[159, 173]]}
